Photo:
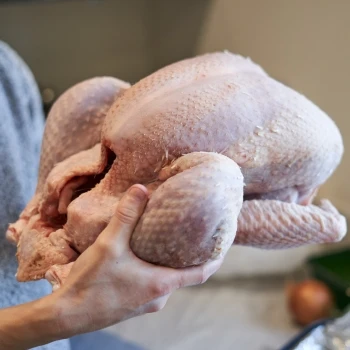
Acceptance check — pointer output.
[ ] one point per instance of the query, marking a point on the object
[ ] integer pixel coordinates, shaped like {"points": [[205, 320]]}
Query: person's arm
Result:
{"points": [[28, 325], [107, 284]]}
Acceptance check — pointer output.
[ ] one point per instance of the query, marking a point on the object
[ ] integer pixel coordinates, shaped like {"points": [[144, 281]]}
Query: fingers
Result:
{"points": [[185, 277], [126, 216], [156, 304], [57, 275], [11, 234], [192, 276]]}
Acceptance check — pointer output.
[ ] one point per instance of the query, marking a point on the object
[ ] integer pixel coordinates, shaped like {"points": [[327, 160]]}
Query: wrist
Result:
{"points": [[64, 312], [43, 321], [46, 319]]}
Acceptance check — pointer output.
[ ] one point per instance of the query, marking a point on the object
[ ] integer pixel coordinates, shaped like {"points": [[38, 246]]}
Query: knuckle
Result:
{"points": [[203, 278], [126, 214], [203, 275], [208, 269], [159, 288], [155, 307], [105, 247], [181, 281]]}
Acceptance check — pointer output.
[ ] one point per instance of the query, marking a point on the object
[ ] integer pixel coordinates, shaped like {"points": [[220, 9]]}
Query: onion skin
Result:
{"points": [[309, 301]]}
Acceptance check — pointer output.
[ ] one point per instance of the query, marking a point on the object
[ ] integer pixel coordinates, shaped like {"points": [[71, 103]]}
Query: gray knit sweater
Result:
{"points": [[21, 129]]}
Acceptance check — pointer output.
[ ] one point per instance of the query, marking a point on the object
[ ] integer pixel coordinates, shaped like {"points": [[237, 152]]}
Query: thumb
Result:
{"points": [[128, 212]]}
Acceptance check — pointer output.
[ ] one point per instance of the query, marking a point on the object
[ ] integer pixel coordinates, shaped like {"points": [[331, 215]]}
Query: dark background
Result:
{"points": [[67, 41]]}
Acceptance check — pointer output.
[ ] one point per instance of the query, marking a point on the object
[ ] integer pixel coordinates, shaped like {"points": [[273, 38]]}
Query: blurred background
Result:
{"points": [[302, 43]]}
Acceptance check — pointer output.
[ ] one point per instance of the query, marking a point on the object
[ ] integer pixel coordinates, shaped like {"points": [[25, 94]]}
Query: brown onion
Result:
{"points": [[309, 301]]}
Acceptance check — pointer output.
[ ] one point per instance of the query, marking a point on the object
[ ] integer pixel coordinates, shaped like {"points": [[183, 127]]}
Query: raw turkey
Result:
{"points": [[227, 153]]}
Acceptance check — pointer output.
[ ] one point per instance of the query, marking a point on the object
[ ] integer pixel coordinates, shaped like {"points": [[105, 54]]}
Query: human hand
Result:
{"points": [[109, 284]]}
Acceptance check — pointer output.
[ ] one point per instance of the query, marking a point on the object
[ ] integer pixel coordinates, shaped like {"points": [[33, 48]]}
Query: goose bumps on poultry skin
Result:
{"points": [[227, 153]]}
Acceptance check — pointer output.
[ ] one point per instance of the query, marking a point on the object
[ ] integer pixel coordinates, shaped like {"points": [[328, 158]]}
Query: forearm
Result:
{"points": [[29, 325]]}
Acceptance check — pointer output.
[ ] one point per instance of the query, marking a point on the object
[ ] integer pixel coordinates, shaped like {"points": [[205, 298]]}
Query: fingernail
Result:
{"points": [[138, 193]]}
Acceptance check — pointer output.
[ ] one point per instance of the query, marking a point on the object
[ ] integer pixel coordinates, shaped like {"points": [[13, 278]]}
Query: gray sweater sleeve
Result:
{"points": [[21, 129]]}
